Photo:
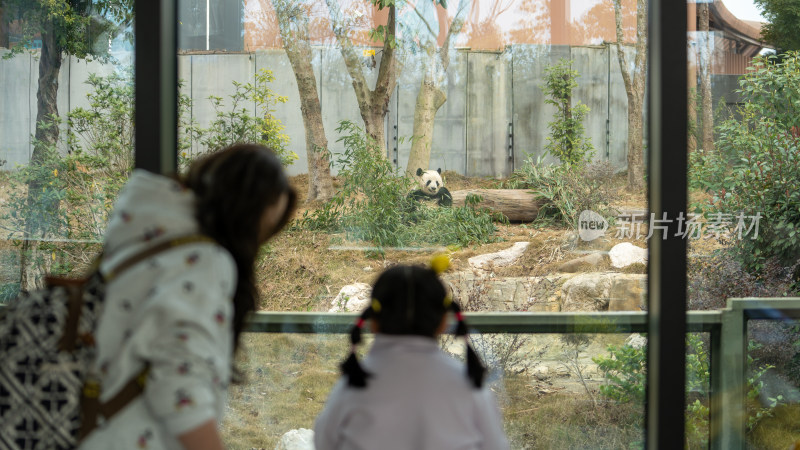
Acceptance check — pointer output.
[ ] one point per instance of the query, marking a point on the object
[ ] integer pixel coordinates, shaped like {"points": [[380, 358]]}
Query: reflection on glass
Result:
{"points": [[66, 121], [742, 215], [529, 114], [554, 391]]}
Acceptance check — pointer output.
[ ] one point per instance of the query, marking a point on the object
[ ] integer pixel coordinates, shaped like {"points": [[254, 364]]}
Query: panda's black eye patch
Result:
{"points": [[428, 183]]}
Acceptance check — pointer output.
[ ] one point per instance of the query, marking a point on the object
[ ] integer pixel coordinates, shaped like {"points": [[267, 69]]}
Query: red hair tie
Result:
{"points": [[459, 316], [360, 323]]}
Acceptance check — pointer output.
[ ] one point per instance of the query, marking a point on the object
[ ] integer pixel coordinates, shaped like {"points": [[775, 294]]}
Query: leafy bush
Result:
{"points": [[624, 371], [567, 190], [711, 281], [566, 140], [72, 194], [236, 123], [625, 374], [373, 204], [756, 165]]}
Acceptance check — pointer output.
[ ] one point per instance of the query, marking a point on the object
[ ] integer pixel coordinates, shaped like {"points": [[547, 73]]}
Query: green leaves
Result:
{"points": [[566, 140], [373, 204], [755, 167]]}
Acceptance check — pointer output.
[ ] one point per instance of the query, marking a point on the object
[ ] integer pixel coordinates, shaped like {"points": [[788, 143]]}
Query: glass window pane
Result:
{"points": [[529, 115], [553, 390], [742, 153], [66, 122]]}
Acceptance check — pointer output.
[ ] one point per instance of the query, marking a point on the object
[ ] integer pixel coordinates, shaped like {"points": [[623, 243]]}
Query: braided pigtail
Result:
{"points": [[475, 368], [351, 368]]}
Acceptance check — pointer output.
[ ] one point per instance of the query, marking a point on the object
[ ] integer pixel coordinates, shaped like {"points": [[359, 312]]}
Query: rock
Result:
{"points": [[604, 291], [499, 259], [628, 292], [299, 439], [481, 293], [636, 340], [625, 254], [575, 265], [352, 298], [587, 292], [541, 373]]}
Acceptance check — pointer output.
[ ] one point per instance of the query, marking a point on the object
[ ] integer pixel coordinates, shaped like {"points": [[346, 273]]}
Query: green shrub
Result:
{"points": [[625, 374], [373, 204], [235, 122], [567, 190], [567, 140], [755, 168], [74, 193]]}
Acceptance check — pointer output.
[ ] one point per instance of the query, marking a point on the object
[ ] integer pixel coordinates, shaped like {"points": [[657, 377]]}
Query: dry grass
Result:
{"points": [[779, 431], [287, 380]]}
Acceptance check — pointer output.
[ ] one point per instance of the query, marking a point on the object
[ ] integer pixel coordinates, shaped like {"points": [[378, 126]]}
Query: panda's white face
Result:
{"points": [[430, 182]]}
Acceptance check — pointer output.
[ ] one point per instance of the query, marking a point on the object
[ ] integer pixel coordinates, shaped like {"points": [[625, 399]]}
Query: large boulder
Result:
{"points": [[583, 263], [498, 259], [604, 291], [299, 439], [625, 254], [478, 292], [352, 298]]}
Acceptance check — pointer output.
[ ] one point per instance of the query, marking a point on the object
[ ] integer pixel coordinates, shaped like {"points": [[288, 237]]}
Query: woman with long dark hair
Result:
{"points": [[172, 321]]}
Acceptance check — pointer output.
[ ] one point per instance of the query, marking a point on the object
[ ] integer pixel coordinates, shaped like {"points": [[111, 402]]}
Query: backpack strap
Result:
{"points": [[151, 251], [92, 409]]}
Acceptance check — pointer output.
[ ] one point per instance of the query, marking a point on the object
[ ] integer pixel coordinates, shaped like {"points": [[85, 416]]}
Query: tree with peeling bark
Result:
{"points": [[293, 24], [635, 89], [67, 28], [704, 68], [372, 103], [435, 62]]}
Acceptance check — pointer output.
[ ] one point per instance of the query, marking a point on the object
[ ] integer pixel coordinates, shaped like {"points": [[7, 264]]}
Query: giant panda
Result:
{"points": [[431, 187]]}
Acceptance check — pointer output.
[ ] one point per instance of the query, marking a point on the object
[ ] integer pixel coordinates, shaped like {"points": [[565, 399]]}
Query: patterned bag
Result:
{"points": [[47, 400]]}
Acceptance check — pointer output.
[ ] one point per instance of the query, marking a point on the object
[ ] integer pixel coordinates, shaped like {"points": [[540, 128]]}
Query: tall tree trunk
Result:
{"points": [[3, 28], [37, 225], [635, 141], [372, 103], [293, 25], [691, 144], [635, 90], [431, 94], [705, 64], [429, 100]]}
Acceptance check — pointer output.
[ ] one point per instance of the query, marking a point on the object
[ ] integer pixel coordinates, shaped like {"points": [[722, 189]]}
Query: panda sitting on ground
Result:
{"points": [[432, 188]]}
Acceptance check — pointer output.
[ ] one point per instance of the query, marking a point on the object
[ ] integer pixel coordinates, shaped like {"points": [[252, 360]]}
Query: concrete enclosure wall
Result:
{"points": [[494, 118]]}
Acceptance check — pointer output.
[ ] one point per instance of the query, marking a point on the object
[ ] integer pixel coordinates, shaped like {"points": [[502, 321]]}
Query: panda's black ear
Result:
{"points": [[419, 172], [439, 170]]}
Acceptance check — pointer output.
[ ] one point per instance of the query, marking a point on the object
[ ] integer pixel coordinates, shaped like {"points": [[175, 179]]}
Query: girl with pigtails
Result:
{"points": [[408, 394]]}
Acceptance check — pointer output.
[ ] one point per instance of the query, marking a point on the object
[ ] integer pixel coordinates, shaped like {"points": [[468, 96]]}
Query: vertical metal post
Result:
{"points": [[666, 377], [716, 367], [156, 103], [729, 418]]}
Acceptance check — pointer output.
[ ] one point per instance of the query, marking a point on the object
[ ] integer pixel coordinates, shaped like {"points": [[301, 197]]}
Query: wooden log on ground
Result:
{"points": [[519, 205]]}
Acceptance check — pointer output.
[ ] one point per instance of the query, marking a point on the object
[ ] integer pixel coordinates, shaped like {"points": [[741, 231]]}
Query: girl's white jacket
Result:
{"points": [[172, 311], [418, 398]]}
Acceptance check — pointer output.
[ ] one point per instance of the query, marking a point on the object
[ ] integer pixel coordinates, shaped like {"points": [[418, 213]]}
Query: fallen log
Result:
{"points": [[518, 205]]}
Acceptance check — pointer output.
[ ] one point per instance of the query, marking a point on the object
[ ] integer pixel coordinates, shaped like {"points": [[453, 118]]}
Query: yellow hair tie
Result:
{"points": [[440, 263], [376, 305], [448, 300]]}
